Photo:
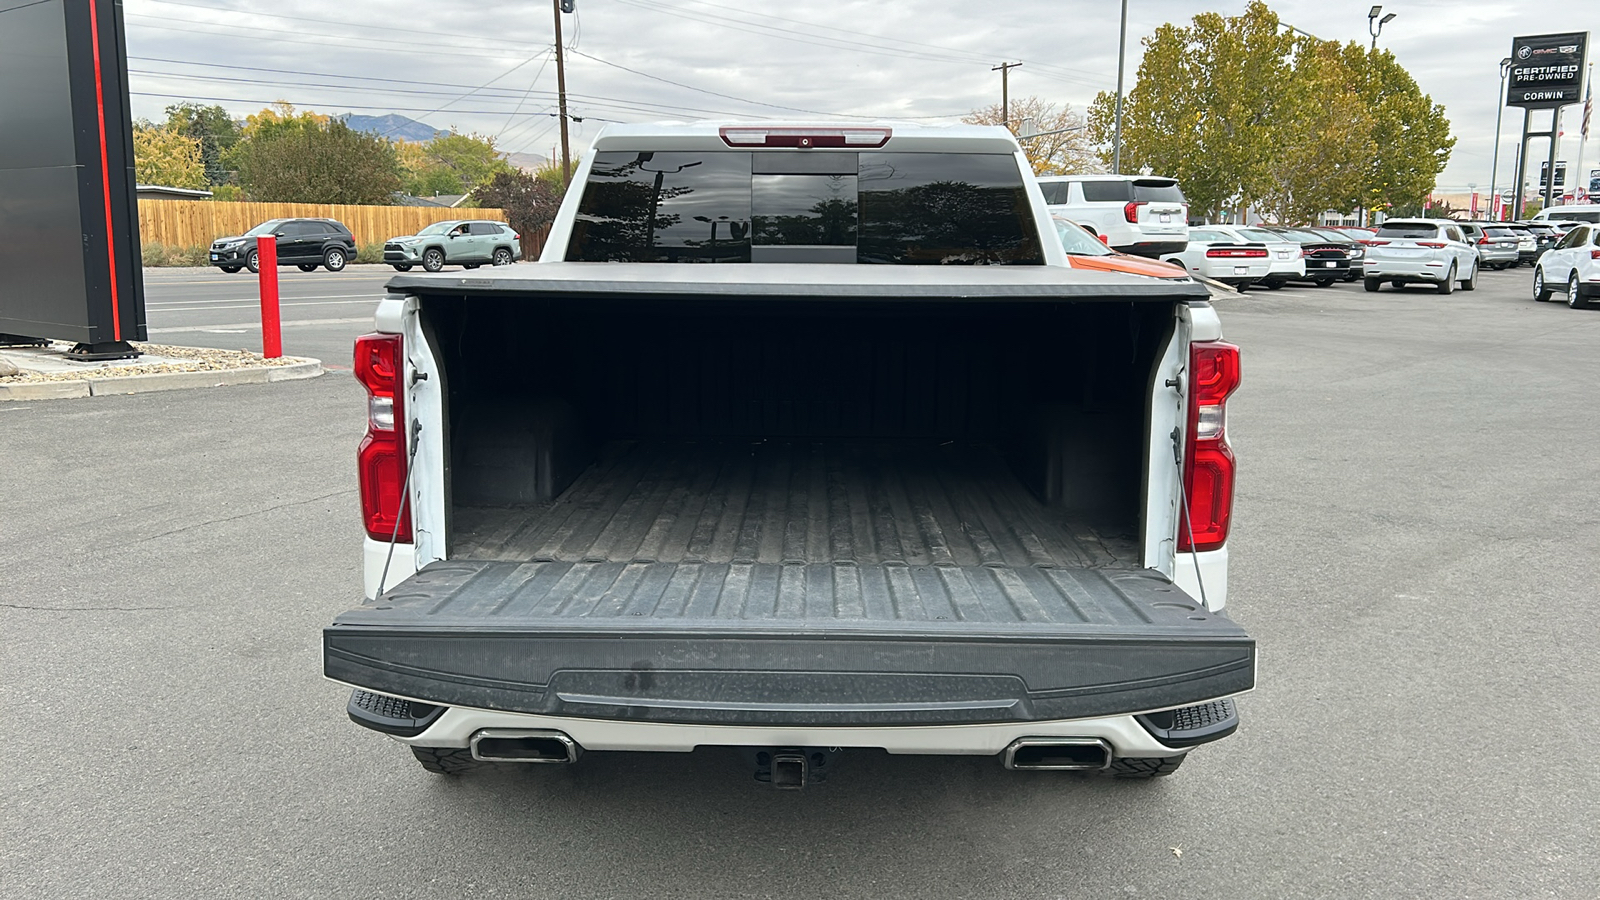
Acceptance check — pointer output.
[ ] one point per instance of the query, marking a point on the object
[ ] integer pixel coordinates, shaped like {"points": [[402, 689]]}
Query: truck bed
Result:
{"points": [[860, 582], [777, 502]]}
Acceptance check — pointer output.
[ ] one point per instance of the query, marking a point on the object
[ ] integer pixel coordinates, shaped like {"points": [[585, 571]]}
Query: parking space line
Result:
{"points": [[229, 327]]}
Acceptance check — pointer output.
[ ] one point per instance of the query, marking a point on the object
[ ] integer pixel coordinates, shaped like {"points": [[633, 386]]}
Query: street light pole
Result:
{"points": [[1116, 132], [1375, 24], [1500, 108]]}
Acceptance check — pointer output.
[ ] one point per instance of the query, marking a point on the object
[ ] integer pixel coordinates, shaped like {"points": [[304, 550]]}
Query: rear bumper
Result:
{"points": [[1125, 734], [1406, 270]]}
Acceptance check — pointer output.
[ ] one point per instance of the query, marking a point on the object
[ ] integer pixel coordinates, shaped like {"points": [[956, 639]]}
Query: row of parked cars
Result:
{"points": [[1147, 216], [328, 243]]}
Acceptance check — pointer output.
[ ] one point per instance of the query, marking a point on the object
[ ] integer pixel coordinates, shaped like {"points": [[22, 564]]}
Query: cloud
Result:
{"points": [[924, 61]]}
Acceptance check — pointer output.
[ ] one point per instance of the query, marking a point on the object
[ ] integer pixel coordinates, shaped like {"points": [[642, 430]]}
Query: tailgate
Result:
{"points": [[790, 643]]}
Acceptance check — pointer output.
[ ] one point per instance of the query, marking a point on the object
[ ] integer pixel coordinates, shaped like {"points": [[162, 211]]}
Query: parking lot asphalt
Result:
{"points": [[1416, 548]]}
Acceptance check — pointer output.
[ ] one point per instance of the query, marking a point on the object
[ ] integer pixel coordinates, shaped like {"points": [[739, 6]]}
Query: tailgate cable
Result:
{"points": [[1183, 509], [405, 497]]}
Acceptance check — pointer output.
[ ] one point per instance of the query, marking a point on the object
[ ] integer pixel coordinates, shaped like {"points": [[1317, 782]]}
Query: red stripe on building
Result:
{"points": [[105, 172]]}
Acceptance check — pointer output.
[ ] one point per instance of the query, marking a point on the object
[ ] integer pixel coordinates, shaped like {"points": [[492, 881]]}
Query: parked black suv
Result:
{"points": [[306, 243]]}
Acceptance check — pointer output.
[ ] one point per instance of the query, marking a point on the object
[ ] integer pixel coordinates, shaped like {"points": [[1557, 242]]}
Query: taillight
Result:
{"points": [[381, 458], [1303, 253], [1435, 245], [1236, 253], [1130, 210], [1374, 243], [1594, 254], [1208, 465]]}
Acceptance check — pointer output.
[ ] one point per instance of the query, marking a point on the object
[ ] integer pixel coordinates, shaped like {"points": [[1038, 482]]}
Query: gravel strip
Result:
{"points": [[174, 359]]}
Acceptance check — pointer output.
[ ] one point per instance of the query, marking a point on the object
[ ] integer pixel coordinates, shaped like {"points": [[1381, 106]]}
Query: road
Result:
{"points": [[1416, 548], [322, 311]]}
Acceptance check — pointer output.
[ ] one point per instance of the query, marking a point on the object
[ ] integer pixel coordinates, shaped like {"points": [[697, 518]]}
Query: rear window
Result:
{"points": [[1055, 192], [805, 206], [1575, 216], [1407, 232], [1500, 232], [1256, 234], [1157, 191], [1107, 191]]}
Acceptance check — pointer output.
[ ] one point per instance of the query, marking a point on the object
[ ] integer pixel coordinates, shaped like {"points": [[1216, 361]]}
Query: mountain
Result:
{"points": [[392, 126], [527, 162]]}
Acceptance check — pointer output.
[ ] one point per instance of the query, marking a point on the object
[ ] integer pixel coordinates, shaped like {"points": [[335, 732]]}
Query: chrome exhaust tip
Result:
{"points": [[1058, 754], [524, 745]]}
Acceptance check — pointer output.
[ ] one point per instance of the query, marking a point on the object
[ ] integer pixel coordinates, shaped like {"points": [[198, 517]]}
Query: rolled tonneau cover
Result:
{"points": [[821, 282]]}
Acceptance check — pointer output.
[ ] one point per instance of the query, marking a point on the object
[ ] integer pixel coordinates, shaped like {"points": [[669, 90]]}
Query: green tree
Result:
{"points": [[1409, 142], [1206, 107], [1063, 153], [452, 163], [319, 160], [1322, 136], [216, 131], [165, 156], [529, 202]]}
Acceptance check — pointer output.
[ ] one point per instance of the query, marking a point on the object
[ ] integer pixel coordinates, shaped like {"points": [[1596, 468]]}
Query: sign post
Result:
{"points": [[1546, 73]]}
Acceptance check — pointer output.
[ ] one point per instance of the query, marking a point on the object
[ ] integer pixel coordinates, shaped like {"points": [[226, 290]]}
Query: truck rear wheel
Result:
{"points": [[1144, 766], [449, 760]]}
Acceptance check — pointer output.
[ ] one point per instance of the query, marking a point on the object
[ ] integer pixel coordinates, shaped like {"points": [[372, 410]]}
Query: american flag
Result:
{"points": [[1588, 107]]}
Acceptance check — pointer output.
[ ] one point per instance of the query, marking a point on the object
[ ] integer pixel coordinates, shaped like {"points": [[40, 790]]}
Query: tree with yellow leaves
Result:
{"points": [[165, 156]]}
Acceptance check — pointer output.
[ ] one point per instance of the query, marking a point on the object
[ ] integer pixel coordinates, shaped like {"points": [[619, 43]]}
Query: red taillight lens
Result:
{"points": [[1594, 254], [1208, 468], [1236, 253], [1374, 243], [381, 458], [1482, 240], [1130, 210]]}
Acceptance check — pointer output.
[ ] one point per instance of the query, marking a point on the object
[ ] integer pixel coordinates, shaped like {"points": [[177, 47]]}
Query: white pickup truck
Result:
{"points": [[881, 471]]}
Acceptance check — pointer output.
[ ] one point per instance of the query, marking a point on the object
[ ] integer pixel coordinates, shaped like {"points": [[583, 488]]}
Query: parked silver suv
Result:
{"points": [[469, 244]]}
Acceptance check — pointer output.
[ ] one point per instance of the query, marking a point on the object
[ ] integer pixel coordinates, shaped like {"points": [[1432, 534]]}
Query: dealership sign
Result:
{"points": [[1547, 70]]}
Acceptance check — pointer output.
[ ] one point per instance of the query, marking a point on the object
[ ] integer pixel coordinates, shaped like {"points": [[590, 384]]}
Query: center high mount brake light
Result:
{"points": [[805, 138]]}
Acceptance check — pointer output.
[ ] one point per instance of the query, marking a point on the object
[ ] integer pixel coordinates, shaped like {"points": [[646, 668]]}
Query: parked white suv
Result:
{"points": [[1411, 251], [1140, 214], [1572, 212], [1572, 266]]}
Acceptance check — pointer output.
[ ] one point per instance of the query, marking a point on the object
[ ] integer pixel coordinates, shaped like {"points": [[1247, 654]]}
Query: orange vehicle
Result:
{"points": [[1085, 251]]}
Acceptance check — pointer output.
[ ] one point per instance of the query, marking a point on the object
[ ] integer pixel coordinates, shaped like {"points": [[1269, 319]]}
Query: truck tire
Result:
{"points": [[1144, 767], [1372, 284], [432, 259], [455, 760], [1448, 285]]}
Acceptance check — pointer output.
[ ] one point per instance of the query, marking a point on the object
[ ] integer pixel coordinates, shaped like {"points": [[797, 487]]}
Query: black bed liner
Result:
{"points": [[864, 502]]}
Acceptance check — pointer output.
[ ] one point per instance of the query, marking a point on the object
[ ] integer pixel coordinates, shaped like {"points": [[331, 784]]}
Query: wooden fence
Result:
{"points": [[191, 223]]}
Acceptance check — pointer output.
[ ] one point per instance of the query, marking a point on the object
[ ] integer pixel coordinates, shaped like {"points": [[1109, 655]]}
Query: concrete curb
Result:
{"points": [[164, 381]]}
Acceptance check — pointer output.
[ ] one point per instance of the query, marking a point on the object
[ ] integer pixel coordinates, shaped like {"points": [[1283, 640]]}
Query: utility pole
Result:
{"points": [[1116, 133], [1005, 91], [561, 88]]}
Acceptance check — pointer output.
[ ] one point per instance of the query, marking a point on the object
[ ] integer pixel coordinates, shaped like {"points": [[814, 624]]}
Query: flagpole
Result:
{"points": [[1581, 179]]}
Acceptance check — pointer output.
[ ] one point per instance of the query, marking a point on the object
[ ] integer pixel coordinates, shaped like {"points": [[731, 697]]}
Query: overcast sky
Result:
{"points": [[794, 59]]}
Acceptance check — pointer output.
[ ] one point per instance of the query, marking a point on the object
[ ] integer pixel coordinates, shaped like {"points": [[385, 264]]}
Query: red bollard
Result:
{"points": [[267, 262]]}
